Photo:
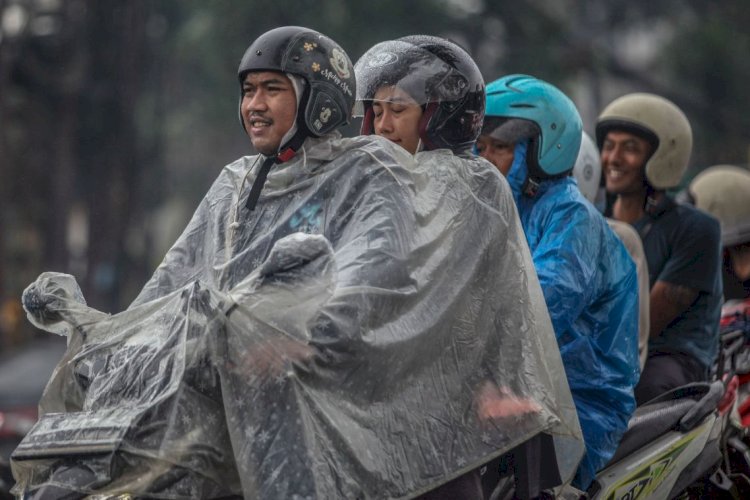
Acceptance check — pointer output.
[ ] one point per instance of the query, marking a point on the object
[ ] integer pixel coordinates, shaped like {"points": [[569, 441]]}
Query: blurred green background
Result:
{"points": [[116, 116]]}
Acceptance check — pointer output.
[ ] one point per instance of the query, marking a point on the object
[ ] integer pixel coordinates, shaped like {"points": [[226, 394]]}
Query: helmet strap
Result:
{"points": [[286, 154], [424, 124], [536, 175], [258, 183], [655, 206], [531, 186], [368, 120]]}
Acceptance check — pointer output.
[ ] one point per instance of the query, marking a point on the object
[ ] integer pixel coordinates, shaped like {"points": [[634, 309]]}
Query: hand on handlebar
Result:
{"points": [[273, 357], [499, 402]]}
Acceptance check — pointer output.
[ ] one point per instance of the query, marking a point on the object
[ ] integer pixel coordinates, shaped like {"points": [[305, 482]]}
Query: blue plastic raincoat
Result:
{"points": [[590, 286]]}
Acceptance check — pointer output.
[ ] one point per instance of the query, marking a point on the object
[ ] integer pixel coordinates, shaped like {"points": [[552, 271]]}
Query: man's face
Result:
{"points": [[624, 157], [269, 107], [397, 117], [498, 153]]}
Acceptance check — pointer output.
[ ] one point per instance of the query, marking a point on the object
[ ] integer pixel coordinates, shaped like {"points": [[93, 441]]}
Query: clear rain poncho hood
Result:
{"points": [[332, 343], [590, 286]]}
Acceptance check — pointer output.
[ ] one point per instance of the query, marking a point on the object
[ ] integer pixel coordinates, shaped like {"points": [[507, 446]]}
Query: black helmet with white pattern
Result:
{"points": [[328, 97]]}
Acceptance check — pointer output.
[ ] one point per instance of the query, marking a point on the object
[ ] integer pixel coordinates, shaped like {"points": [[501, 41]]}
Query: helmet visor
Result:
{"points": [[509, 130], [418, 75]]}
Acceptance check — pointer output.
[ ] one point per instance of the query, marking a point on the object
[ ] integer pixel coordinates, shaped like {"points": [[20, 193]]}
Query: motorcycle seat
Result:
{"points": [[679, 409]]}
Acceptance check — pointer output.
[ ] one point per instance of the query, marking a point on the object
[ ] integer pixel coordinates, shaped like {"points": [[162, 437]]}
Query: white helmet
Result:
{"points": [[662, 124], [724, 192], [588, 168]]}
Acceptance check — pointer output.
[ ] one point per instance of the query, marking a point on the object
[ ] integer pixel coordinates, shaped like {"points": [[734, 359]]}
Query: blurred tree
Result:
{"points": [[707, 61], [690, 51], [114, 150], [4, 170], [73, 76]]}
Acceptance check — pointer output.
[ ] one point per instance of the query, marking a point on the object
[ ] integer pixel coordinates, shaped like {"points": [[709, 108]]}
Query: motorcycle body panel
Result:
{"points": [[651, 472]]}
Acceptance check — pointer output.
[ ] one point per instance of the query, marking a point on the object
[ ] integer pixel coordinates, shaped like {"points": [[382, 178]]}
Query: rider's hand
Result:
{"points": [[274, 357], [499, 402]]}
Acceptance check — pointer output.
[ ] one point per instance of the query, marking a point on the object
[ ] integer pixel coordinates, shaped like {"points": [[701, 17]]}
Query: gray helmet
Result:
{"points": [[660, 122], [724, 192], [327, 70]]}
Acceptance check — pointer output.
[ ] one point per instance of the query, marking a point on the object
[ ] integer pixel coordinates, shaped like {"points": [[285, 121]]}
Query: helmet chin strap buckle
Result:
{"points": [[531, 187], [656, 206], [286, 155]]}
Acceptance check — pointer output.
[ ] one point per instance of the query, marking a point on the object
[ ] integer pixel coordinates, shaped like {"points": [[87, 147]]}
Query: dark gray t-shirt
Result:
{"points": [[683, 247]]}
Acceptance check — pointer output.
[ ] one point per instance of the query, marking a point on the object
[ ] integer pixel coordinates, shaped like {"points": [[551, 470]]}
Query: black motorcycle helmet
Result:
{"points": [[436, 73], [327, 101]]}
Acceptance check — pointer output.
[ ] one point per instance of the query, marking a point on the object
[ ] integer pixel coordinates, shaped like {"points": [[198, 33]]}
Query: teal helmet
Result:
{"points": [[555, 125]]}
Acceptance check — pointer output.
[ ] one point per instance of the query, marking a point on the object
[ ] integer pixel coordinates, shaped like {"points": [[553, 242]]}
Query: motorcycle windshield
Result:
{"points": [[373, 328]]}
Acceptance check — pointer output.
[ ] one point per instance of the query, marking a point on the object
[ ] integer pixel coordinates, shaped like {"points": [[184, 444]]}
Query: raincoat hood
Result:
{"points": [[361, 334], [519, 173]]}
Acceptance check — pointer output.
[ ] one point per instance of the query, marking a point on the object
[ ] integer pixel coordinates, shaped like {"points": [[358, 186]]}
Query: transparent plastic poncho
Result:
{"points": [[342, 340]]}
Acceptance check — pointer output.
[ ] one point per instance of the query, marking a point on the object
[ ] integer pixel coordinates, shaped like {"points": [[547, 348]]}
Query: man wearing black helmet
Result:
{"points": [[296, 88], [265, 215], [303, 255]]}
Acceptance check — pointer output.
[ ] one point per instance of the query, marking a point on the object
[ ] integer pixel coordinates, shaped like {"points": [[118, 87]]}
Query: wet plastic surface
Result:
{"points": [[374, 328]]}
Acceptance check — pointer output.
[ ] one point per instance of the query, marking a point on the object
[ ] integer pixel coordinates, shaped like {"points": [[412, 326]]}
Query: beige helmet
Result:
{"points": [[724, 192], [659, 121]]}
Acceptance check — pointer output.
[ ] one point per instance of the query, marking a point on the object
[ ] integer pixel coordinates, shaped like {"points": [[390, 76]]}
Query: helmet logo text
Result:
{"points": [[330, 75]]}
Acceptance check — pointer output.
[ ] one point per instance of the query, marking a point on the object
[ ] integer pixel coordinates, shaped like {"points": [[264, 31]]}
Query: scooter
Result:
{"points": [[675, 445], [735, 323]]}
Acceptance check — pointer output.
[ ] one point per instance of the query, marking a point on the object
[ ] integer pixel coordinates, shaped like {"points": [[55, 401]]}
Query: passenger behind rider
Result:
{"points": [[426, 94], [588, 172], [724, 192], [424, 120], [588, 279], [645, 143]]}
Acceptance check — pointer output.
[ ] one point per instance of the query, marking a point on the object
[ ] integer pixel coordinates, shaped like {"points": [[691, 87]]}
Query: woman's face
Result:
{"points": [[397, 117]]}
